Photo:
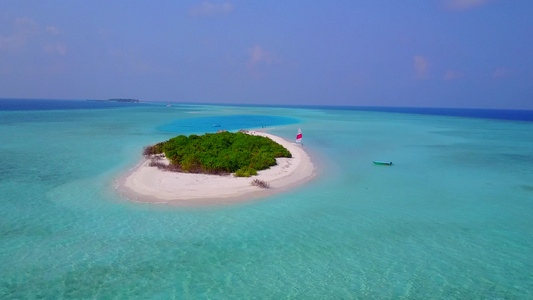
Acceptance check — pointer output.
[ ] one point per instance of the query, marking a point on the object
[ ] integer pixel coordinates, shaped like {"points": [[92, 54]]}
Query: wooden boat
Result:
{"points": [[379, 162]]}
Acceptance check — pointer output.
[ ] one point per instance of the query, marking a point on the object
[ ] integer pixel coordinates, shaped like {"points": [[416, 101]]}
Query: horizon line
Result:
{"points": [[276, 104]]}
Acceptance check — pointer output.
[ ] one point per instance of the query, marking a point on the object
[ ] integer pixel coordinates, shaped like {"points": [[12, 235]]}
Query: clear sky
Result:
{"points": [[424, 53]]}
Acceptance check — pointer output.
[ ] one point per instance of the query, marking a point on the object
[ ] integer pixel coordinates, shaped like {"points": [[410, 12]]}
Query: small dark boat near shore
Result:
{"points": [[378, 162]]}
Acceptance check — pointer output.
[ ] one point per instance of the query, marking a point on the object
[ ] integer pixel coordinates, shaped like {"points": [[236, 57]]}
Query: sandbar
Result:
{"points": [[149, 184]]}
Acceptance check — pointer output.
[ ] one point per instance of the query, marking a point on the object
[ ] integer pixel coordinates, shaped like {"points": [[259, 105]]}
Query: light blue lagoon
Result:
{"points": [[452, 218]]}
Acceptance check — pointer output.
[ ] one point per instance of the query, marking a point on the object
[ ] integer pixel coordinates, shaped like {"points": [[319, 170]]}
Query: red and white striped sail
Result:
{"points": [[299, 136]]}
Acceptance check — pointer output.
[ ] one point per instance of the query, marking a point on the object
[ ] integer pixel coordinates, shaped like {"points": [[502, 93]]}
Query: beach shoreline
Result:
{"points": [[146, 184]]}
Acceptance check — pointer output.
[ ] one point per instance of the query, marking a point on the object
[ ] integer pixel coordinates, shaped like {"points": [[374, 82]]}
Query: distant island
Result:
{"points": [[217, 153], [126, 100], [123, 100]]}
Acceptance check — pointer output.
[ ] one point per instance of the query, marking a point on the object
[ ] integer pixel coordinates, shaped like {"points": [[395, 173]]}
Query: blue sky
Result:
{"points": [[442, 53]]}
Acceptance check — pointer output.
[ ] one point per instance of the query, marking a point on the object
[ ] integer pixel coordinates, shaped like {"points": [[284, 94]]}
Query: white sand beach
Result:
{"points": [[150, 184]]}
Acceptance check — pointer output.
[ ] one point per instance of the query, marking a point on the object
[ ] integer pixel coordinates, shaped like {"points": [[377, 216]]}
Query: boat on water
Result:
{"points": [[299, 137], [379, 162], [216, 125]]}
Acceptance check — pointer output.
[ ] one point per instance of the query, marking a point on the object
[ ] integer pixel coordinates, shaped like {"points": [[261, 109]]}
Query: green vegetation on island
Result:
{"points": [[218, 153]]}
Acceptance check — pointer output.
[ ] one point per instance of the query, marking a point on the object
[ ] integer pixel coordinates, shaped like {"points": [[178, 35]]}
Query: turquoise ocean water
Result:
{"points": [[451, 219]]}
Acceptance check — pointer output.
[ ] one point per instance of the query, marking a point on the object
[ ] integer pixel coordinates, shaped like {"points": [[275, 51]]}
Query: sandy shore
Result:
{"points": [[150, 184]]}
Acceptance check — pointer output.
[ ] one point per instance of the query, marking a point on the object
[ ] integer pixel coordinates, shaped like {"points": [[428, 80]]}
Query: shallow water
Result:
{"points": [[450, 219]]}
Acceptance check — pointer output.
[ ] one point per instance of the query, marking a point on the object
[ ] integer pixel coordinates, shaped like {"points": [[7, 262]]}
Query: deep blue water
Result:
{"points": [[231, 123], [52, 104], [498, 114]]}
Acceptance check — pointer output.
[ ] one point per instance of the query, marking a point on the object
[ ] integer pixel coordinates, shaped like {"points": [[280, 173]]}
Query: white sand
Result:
{"points": [[150, 184]]}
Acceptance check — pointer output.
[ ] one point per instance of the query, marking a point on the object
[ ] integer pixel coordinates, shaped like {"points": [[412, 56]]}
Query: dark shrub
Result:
{"points": [[260, 183]]}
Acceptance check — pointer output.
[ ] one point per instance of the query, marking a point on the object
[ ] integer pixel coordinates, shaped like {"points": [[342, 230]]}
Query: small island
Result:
{"points": [[121, 100], [219, 153], [212, 169], [126, 100]]}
